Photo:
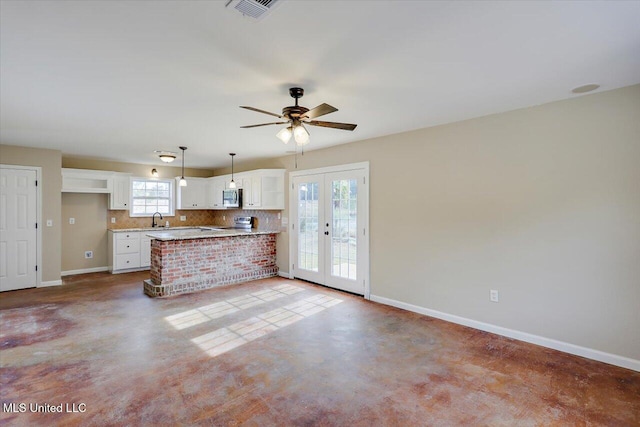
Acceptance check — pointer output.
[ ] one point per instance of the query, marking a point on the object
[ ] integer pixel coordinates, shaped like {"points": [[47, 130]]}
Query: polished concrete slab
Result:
{"points": [[279, 352]]}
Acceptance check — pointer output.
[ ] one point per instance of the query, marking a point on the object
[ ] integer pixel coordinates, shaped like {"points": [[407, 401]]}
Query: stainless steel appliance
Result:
{"points": [[232, 198], [243, 222]]}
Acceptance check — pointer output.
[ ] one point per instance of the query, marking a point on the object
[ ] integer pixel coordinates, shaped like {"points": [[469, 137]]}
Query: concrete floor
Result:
{"points": [[281, 352]]}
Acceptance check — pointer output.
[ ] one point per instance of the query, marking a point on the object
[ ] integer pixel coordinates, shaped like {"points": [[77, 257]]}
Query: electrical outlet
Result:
{"points": [[113, 220], [224, 217], [183, 217], [49, 223], [267, 219], [72, 221], [278, 215], [88, 254], [493, 295]]}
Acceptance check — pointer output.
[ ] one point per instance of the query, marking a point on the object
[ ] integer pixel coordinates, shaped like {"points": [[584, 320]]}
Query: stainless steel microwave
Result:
{"points": [[232, 198]]}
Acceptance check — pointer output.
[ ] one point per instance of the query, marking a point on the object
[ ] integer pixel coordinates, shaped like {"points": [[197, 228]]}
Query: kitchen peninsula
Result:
{"points": [[194, 259]]}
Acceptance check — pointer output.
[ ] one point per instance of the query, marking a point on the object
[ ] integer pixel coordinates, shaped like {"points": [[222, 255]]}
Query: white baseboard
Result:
{"points": [[283, 274], [589, 353], [50, 283], [84, 270]]}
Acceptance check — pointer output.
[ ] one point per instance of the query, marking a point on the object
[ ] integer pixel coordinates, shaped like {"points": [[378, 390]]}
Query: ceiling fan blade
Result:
{"points": [[343, 126], [264, 124], [261, 111], [320, 110]]}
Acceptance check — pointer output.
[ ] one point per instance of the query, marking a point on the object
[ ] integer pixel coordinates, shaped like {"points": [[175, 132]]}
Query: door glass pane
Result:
{"points": [[308, 229], [344, 228]]}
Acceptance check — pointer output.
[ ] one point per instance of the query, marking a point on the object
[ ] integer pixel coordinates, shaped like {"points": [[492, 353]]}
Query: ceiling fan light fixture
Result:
{"points": [[301, 135], [285, 134]]}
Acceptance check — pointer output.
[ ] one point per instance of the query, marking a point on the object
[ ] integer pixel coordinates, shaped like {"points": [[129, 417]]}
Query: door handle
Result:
{"points": [[327, 224], [326, 233]]}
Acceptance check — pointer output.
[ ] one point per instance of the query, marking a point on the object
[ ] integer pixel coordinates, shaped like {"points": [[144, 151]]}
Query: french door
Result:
{"points": [[330, 229]]}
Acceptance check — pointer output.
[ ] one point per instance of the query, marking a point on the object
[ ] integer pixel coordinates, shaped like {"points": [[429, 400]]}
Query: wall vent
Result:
{"points": [[255, 9]]}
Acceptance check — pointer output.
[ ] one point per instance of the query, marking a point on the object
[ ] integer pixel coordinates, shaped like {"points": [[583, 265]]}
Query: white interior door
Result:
{"points": [[330, 221], [18, 234]]}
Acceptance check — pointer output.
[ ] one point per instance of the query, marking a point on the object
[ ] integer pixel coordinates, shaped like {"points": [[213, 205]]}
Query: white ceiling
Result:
{"points": [[119, 79]]}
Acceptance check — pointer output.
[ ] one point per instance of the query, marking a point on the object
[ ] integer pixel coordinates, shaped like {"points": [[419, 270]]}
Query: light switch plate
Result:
{"points": [[183, 217], [49, 223], [72, 221], [113, 220]]}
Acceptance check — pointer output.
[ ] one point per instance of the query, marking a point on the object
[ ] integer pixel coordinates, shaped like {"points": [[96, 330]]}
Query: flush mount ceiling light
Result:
{"points": [[166, 156], [183, 182], [297, 116], [232, 184], [585, 88]]}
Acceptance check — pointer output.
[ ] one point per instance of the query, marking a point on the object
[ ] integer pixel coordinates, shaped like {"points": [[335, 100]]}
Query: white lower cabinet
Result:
{"points": [[128, 251], [145, 251]]}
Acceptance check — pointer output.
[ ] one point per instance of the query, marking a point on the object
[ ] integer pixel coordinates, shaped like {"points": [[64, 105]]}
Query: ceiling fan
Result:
{"points": [[297, 116]]}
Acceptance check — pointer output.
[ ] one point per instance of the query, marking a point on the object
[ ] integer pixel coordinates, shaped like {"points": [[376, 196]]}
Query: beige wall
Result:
{"points": [[88, 233], [49, 161], [542, 204]]}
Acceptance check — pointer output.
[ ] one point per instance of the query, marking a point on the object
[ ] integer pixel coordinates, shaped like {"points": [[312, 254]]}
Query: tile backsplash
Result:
{"points": [[264, 219]]}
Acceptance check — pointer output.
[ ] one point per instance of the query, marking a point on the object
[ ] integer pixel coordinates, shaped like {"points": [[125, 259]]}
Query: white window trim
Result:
{"points": [[172, 201]]}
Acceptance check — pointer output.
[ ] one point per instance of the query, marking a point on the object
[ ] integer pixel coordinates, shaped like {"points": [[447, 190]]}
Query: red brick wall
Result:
{"points": [[180, 266]]}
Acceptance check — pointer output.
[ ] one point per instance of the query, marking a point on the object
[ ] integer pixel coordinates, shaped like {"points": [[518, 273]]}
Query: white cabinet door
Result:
{"points": [[120, 192], [145, 251], [194, 195], [215, 188], [251, 185]]}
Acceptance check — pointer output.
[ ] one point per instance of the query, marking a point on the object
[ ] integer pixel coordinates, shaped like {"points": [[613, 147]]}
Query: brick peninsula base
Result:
{"points": [[183, 266]]}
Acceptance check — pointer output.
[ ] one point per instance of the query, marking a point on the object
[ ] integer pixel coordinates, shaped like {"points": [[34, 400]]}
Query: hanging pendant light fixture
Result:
{"points": [[183, 182], [232, 184]]}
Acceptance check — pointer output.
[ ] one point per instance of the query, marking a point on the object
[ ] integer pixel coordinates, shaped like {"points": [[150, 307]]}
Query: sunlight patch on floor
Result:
{"points": [[222, 340], [219, 309]]}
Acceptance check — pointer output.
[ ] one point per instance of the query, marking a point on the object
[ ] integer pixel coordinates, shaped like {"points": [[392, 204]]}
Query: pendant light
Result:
{"points": [[232, 184], [183, 182]]}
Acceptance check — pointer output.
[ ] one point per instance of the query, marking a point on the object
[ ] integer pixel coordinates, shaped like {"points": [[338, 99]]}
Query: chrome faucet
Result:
{"points": [[153, 220]]}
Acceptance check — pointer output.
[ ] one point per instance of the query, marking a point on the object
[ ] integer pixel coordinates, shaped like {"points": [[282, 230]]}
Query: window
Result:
{"points": [[151, 195]]}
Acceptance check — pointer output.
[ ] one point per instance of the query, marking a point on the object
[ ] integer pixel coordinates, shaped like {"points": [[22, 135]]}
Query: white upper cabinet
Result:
{"points": [[215, 187], [194, 195], [262, 189], [86, 181], [251, 191], [120, 191]]}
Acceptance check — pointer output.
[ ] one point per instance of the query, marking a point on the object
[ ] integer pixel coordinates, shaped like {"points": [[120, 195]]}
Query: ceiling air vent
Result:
{"points": [[255, 9]]}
